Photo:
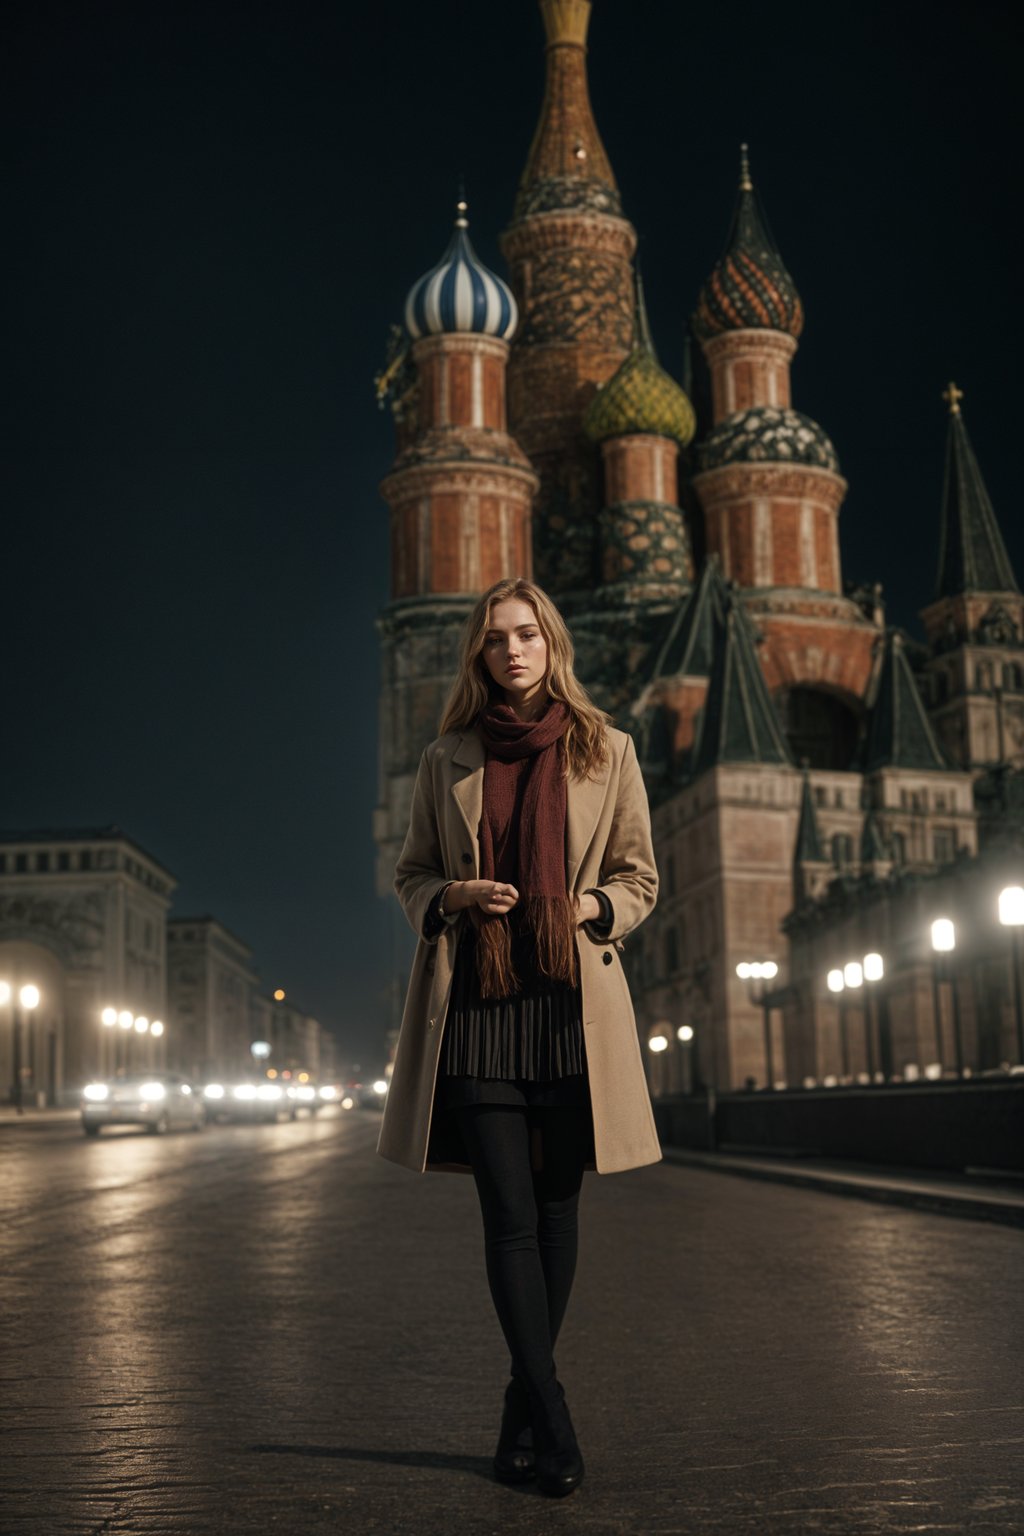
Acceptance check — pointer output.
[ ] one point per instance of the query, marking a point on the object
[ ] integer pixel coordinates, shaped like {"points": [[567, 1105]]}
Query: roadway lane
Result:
{"points": [[269, 1328]]}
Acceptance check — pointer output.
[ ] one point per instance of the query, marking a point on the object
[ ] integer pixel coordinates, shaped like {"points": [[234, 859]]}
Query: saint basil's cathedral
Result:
{"points": [[822, 786]]}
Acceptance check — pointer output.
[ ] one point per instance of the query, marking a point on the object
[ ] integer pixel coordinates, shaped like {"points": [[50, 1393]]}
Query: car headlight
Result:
{"points": [[380, 1086], [328, 1093], [305, 1093], [213, 1091], [153, 1091], [348, 1103], [95, 1091], [269, 1091], [243, 1091]]}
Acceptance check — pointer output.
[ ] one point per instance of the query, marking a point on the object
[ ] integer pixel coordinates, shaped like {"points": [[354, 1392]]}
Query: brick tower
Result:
{"points": [[569, 252], [460, 494], [770, 489], [641, 419], [975, 625]]}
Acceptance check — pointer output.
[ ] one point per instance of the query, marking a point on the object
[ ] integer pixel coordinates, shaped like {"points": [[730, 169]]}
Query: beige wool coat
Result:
{"points": [[608, 847]]}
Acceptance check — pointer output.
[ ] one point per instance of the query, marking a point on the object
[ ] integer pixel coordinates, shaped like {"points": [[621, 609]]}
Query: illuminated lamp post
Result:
{"points": [[28, 1001], [760, 971], [837, 986], [943, 943], [853, 980], [684, 1034], [874, 970], [108, 1018], [1011, 915], [125, 1020]]}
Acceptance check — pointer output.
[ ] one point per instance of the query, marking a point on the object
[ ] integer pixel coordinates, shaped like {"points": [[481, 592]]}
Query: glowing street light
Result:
{"points": [[1011, 915], [156, 1028], [141, 1025], [27, 1000], [943, 932], [108, 1018], [125, 1018], [761, 970], [657, 1043]]}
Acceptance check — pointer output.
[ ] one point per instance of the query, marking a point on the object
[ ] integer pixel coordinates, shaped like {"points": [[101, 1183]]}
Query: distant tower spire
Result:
{"points": [[570, 255], [746, 185], [972, 555]]}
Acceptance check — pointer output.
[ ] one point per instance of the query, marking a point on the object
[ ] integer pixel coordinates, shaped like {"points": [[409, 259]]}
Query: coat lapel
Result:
{"points": [[584, 803]]}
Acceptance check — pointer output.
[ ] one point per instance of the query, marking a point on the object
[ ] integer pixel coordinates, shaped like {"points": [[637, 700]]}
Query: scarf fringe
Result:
{"points": [[552, 920]]}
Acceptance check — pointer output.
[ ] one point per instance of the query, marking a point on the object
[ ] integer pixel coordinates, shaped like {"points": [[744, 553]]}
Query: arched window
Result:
{"points": [[1012, 677], [983, 677]]}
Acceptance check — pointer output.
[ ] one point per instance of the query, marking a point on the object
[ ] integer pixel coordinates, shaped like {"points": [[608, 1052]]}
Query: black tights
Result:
{"points": [[530, 1231]]}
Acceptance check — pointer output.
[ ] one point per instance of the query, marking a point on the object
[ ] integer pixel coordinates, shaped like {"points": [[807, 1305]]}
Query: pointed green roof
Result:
{"points": [[689, 644], [899, 732], [972, 555], [808, 839], [640, 396], [738, 723]]}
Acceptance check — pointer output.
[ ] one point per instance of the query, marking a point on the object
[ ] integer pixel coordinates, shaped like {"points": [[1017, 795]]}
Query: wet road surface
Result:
{"points": [[269, 1328]]}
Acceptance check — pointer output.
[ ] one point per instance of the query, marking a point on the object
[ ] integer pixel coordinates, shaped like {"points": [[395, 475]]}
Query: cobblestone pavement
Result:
{"points": [[263, 1329]]}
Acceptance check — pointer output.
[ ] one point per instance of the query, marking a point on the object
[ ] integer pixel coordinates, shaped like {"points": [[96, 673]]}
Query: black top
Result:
{"points": [[536, 1034]]}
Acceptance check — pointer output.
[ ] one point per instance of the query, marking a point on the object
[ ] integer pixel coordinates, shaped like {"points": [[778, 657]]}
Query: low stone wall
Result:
{"points": [[926, 1125]]}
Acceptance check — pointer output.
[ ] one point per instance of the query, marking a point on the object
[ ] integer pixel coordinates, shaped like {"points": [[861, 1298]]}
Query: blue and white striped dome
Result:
{"points": [[460, 294]]}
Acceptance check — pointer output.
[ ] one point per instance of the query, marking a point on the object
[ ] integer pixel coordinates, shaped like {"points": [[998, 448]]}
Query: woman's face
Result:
{"points": [[515, 652]]}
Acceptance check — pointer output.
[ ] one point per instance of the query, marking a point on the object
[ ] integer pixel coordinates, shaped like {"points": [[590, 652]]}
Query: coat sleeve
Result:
{"points": [[419, 873], [629, 876]]}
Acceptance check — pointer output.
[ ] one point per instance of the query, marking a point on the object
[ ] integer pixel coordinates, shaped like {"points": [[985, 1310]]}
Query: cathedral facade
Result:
{"points": [[816, 778]]}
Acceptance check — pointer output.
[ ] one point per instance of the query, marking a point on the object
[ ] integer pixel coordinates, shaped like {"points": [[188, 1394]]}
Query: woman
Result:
{"points": [[518, 1057]]}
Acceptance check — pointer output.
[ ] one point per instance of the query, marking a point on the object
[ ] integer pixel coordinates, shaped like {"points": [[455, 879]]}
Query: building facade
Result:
{"points": [[811, 770], [83, 919]]}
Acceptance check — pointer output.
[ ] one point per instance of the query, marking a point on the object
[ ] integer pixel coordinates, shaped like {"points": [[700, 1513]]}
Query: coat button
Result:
{"points": [[467, 858], [607, 957], [432, 1023]]}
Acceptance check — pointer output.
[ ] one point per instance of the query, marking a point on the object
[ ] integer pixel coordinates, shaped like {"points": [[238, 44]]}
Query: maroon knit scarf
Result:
{"points": [[522, 843]]}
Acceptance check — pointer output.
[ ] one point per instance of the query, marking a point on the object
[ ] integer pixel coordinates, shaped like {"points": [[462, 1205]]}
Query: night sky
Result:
{"points": [[214, 212]]}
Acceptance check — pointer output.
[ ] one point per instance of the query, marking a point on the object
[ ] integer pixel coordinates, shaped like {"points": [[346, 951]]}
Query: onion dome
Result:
{"points": [[460, 294], [749, 288], [640, 396], [768, 434]]}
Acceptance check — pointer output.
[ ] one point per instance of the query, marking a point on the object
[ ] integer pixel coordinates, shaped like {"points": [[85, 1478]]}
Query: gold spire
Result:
{"points": [[746, 185], [566, 22], [954, 396]]}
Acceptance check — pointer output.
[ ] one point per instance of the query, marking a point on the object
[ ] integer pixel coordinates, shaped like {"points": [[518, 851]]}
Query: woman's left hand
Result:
{"points": [[587, 908]]}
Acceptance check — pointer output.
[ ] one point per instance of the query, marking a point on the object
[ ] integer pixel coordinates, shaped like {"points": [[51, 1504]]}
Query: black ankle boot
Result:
{"points": [[559, 1465], [514, 1458]]}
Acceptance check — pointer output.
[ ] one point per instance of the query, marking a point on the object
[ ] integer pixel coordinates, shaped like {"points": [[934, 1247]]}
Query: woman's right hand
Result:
{"points": [[491, 896]]}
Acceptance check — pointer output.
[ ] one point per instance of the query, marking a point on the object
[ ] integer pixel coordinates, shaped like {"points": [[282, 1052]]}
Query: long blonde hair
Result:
{"points": [[586, 741]]}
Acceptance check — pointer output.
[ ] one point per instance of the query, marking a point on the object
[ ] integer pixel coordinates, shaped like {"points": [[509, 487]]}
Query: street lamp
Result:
{"points": [[837, 984], [943, 943], [28, 1000], [874, 970], [1011, 915], [761, 971]]}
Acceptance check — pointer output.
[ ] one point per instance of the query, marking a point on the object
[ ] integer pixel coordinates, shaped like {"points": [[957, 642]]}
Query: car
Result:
{"points": [[156, 1100], [245, 1100]]}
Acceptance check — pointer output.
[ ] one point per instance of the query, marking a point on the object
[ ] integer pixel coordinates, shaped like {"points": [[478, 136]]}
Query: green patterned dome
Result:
{"points": [[768, 434], [640, 396]]}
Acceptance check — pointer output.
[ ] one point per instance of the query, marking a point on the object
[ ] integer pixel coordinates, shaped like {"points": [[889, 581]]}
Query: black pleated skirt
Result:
{"points": [[523, 1049]]}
